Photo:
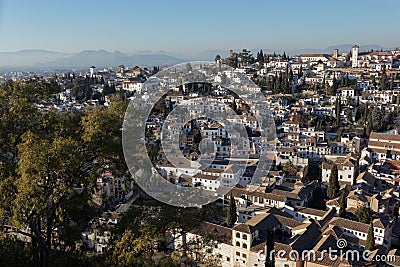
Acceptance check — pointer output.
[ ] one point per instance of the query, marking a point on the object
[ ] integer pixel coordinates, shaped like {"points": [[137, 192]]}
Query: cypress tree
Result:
{"points": [[383, 79], [337, 111], [370, 243], [269, 256], [363, 214], [333, 186], [317, 199], [300, 71], [231, 214], [343, 205], [396, 212], [392, 82]]}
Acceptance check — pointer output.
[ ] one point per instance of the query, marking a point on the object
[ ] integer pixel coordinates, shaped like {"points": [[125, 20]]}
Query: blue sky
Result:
{"points": [[190, 26]]}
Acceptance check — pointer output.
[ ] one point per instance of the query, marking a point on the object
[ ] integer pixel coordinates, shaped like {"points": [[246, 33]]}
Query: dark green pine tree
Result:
{"points": [[337, 111], [370, 125], [333, 186], [363, 214], [391, 82], [231, 214], [383, 79], [370, 243], [343, 205], [269, 255], [396, 212], [373, 80], [300, 71], [317, 199]]}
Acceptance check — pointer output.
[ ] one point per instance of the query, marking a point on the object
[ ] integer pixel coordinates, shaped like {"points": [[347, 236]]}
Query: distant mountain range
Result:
{"points": [[43, 59]]}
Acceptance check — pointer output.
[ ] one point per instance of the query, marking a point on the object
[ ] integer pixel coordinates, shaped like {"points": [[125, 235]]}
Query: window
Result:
{"points": [[244, 255], [244, 236], [244, 245], [238, 235], [228, 259], [237, 253]]}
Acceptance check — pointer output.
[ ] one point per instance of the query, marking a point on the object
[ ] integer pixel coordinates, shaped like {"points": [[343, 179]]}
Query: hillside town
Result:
{"points": [[333, 159]]}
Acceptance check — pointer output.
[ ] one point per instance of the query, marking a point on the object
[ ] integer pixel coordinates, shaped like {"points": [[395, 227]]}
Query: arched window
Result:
{"points": [[244, 245], [237, 243]]}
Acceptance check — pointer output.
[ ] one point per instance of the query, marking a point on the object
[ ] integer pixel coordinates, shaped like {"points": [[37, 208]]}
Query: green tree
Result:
{"points": [[231, 212], [370, 243], [270, 255], [337, 110], [289, 168], [102, 134], [333, 186], [343, 206], [150, 228], [383, 79], [392, 82], [317, 200], [373, 80], [45, 199], [300, 74], [363, 214]]}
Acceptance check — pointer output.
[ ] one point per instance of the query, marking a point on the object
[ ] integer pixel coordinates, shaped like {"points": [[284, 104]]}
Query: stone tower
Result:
{"points": [[354, 56], [335, 53]]}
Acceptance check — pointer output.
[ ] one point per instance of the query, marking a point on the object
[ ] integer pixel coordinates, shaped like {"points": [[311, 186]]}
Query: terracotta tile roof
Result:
{"points": [[354, 240], [314, 55], [216, 232], [286, 194], [333, 202], [356, 226], [323, 259], [310, 211], [256, 219], [396, 254], [205, 176], [326, 242], [384, 137], [366, 176], [307, 239], [324, 222], [242, 227], [238, 192], [381, 223], [291, 223]]}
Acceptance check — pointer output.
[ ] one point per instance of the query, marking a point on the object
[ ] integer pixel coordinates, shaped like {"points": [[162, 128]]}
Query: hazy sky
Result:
{"points": [[189, 25]]}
